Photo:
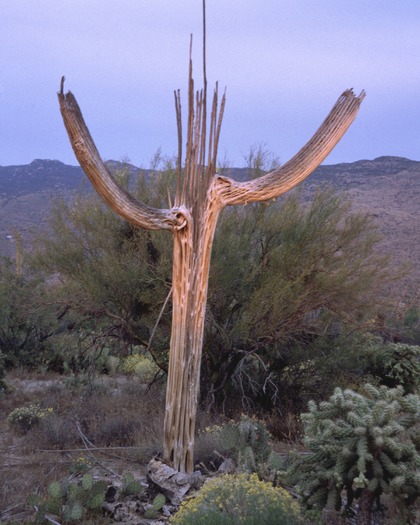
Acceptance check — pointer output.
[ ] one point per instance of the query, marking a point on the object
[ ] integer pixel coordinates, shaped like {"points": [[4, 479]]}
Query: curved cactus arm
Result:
{"points": [[110, 191], [284, 178]]}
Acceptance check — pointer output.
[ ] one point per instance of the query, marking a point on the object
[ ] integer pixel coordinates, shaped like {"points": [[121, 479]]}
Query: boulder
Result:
{"points": [[172, 483]]}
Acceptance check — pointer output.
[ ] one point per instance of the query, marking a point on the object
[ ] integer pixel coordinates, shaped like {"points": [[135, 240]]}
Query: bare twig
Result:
{"points": [[159, 374], [152, 335], [55, 450], [11, 465], [9, 509], [89, 446], [47, 517]]}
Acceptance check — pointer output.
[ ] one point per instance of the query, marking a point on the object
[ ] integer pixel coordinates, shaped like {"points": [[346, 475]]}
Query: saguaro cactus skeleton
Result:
{"points": [[200, 196]]}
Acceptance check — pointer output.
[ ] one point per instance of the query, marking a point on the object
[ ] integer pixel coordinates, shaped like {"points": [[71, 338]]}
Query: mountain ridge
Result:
{"points": [[70, 176]]}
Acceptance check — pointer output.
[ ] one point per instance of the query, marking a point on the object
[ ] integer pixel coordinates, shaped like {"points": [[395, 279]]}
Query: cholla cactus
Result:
{"points": [[365, 445]]}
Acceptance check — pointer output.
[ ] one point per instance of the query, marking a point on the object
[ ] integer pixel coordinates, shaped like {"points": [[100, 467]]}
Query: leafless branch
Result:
{"points": [[152, 335], [89, 447]]}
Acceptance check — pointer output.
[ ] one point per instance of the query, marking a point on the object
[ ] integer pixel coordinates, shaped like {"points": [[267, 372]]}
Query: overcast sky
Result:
{"points": [[284, 64]]}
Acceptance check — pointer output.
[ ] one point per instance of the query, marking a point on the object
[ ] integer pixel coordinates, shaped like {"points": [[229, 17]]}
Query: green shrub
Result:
{"points": [[311, 372], [366, 445], [244, 499], [23, 419], [81, 465], [397, 364], [246, 441], [26, 321], [140, 365]]}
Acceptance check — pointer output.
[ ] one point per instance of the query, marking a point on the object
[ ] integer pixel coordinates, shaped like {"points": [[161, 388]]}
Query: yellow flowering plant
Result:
{"points": [[141, 365], [23, 419], [240, 499]]}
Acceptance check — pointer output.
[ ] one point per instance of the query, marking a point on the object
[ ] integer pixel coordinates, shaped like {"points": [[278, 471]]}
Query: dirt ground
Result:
{"points": [[111, 431]]}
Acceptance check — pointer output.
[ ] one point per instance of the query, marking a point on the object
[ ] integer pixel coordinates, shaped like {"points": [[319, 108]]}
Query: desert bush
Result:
{"points": [[22, 419], [285, 425], [114, 276], [57, 431], [230, 500], [25, 323], [412, 324], [285, 278], [396, 364], [246, 441], [117, 430], [363, 446], [81, 465], [142, 365], [312, 370], [402, 323]]}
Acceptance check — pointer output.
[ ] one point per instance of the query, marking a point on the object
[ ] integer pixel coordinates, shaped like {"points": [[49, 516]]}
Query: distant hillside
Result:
{"points": [[386, 187]]}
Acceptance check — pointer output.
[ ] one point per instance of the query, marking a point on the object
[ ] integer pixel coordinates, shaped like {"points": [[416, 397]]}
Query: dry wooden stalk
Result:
{"points": [[200, 196]]}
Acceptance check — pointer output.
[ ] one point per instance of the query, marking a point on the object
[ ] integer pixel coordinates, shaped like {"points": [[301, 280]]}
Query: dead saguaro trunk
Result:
{"points": [[200, 196]]}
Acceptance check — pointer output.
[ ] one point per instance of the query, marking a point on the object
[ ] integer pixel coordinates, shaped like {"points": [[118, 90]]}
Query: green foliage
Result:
{"points": [[71, 501], [246, 441], [305, 258], [360, 443], [22, 419], [25, 325], [130, 485], [142, 365], [157, 504], [312, 371], [81, 465], [403, 322], [396, 364], [411, 325], [113, 277], [244, 499], [282, 277]]}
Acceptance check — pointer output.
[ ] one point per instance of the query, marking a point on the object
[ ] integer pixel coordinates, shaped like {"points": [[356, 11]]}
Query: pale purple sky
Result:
{"points": [[284, 63]]}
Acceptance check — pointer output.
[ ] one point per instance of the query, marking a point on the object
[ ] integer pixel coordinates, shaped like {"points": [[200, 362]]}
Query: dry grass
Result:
{"points": [[117, 412], [286, 427]]}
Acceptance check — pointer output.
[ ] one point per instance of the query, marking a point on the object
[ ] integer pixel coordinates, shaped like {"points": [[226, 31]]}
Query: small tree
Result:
{"points": [[113, 278], [360, 447], [25, 325], [283, 277]]}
